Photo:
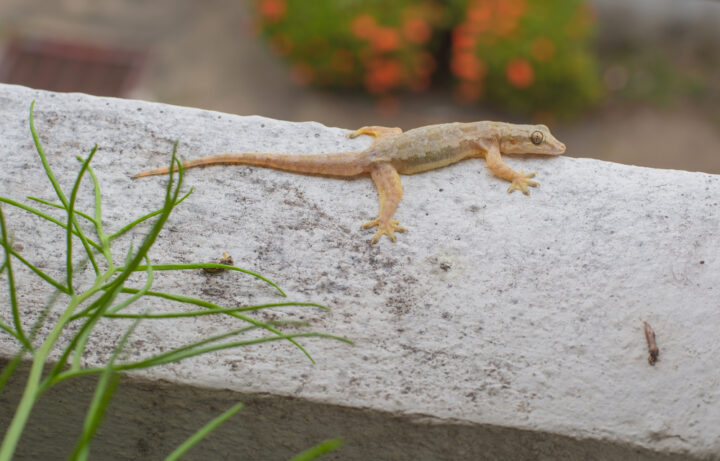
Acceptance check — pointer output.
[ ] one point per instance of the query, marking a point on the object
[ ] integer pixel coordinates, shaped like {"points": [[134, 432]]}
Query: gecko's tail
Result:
{"points": [[340, 164]]}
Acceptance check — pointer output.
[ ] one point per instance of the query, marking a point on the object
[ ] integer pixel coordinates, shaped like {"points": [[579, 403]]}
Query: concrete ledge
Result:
{"points": [[500, 326]]}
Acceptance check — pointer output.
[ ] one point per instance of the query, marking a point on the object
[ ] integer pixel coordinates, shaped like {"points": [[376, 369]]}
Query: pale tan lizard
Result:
{"points": [[414, 151]]}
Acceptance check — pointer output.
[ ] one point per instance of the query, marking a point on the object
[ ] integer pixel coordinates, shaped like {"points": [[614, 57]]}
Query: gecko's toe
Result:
{"points": [[522, 182], [388, 228], [372, 223]]}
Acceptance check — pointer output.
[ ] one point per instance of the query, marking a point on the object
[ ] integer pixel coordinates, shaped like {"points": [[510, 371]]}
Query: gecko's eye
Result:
{"points": [[536, 138]]}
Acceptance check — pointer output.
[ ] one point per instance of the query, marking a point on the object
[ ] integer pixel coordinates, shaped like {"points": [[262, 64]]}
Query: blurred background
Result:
{"points": [[630, 81]]}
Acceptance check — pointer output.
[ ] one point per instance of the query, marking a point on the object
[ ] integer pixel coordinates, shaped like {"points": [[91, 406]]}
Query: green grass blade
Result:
{"points": [[68, 374], [202, 433], [114, 288], [103, 394], [8, 329], [195, 349], [43, 158], [104, 390], [97, 219], [139, 294], [146, 217], [44, 216], [37, 271], [318, 450], [216, 307], [71, 219], [175, 315], [102, 236], [194, 266], [10, 368], [57, 205], [20, 333], [103, 306], [56, 185]]}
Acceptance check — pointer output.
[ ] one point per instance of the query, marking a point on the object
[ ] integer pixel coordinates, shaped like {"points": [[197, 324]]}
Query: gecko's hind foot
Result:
{"points": [[375, 131], [387, 228], [522, 182]]}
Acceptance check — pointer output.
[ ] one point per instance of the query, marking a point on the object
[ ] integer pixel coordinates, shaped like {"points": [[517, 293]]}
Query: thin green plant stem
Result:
{"points": [[33, 384], [318, 450], [10, 367], [216, 307], [193, 266], [54, 378], [19, 332], [203, 432], [187, 351], [8, 329], [137, 295], [102, 236], [43, 158], [56, 185], [71, 217], [109, 383], [174, 356], [175, 315], [45, 216], [127, 228], [101, 297], [27, 401], [57, 205], [84, 334], [104, 390], [103, 302], [37, 271]]}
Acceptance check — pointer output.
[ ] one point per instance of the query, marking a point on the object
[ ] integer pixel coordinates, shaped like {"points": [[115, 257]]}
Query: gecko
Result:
{"points": [[394, 152]]}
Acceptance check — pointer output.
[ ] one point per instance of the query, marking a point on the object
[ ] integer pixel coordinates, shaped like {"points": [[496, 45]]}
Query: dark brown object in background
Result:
{"points": [[57, 65]]}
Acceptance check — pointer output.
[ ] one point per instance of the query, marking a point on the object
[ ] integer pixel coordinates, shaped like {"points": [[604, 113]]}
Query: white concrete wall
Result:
{"points": [[500, 326]]}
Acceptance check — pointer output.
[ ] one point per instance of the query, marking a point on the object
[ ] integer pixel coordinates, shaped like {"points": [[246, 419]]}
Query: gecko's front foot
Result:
{"points": [[387, 228], [522, 182]]}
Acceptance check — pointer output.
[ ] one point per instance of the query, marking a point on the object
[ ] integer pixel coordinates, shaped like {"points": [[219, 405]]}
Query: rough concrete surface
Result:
{"points": [[500, 326]]}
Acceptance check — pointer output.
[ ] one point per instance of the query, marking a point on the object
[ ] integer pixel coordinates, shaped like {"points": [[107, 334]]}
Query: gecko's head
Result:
{"points": [[530, 139]]}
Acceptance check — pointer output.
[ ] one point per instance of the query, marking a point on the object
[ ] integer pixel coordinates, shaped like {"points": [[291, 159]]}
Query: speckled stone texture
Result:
{"points": [[498, 327]]}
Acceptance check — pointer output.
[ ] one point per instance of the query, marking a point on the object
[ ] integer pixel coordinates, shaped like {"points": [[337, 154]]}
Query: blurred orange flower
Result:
{"points": [[480, 15], [273, 10], [508, 15], [385, 39], [382, 75], [497, 16], [363, 26], [467, 66], [416, 30], [520, 73], [462, 38]]}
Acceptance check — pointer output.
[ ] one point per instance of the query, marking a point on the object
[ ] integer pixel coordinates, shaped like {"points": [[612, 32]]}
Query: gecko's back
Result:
{"points": [[426, 148]]}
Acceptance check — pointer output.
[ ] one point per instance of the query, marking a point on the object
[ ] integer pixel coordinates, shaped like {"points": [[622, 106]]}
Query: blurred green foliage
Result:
{"points": [[529, 56]]}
